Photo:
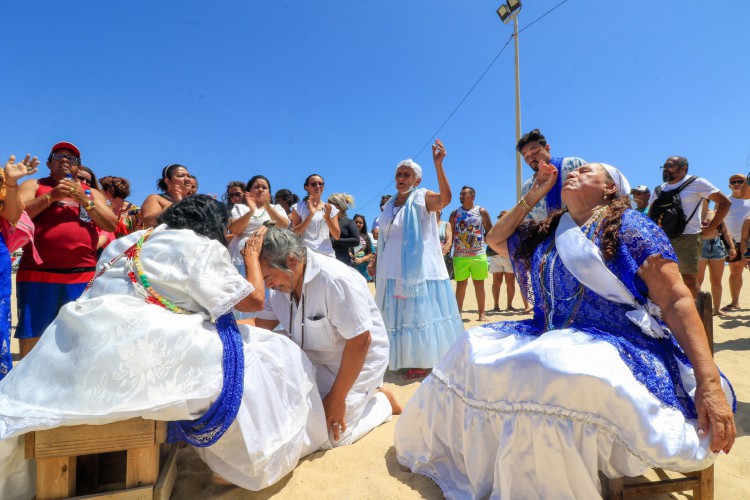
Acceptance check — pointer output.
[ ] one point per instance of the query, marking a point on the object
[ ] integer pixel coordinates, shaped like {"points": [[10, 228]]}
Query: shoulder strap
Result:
{"points": [[686, 184]]}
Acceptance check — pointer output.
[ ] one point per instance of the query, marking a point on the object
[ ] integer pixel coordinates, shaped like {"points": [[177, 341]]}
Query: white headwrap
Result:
{"points": [[623, 186], [412, 165]]}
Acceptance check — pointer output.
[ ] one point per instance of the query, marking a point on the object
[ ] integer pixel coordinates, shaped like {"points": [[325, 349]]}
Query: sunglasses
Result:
{"points": [[316, 184], [83, 179], [738, 181], [235, 195], [72, 159]]}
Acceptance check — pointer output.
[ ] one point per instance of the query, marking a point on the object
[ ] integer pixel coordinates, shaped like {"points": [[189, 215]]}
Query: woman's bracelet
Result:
{"points": [[524, 206], [49, 198]]}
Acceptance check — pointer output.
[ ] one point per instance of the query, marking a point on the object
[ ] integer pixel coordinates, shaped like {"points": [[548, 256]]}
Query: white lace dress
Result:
{"points": [[111, 356]]}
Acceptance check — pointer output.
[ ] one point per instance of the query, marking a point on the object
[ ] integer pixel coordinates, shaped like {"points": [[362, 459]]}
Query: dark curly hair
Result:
{"points": [[166, 173], [201, 214], [533, 136], [533, 233]]}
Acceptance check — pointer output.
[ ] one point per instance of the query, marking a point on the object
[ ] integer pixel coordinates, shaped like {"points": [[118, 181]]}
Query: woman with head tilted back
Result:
{"points": [[153, 337], [314, 220], [174, 184], [413, 290], [612, 374]]}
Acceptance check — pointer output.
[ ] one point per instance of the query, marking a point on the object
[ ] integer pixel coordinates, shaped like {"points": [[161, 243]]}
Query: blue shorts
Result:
{"points": [[713, 249], [39, 303]]}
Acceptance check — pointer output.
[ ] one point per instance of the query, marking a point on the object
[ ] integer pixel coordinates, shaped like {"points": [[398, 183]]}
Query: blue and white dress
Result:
{"points": [[414, 293], [535, 408], [6, 362]]}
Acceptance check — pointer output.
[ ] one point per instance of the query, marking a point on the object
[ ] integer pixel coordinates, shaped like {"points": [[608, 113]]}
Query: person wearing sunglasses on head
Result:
{"points": [[738, 212], [314, 220], [67, 215]]}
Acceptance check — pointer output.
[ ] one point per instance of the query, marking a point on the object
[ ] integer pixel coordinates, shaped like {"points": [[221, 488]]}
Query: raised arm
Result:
{"points": [[506, 226], [437, 201], [13, 205]]}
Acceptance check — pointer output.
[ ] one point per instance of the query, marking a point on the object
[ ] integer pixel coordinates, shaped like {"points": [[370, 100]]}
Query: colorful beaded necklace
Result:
{"points": [[138, 277], [140, 281]]}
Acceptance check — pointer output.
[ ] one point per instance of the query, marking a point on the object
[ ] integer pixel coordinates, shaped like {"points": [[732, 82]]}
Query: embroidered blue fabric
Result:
{"points": [[554, 197], [206, 430], [653, 362], [6, 362]]}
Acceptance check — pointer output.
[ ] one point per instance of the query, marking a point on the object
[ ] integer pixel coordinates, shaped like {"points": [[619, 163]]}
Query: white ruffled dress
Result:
{"points": [[111, 356]]}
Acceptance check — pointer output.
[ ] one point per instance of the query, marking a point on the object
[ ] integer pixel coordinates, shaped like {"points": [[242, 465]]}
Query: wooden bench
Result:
{"points": [[137, 464], [700, 482]]}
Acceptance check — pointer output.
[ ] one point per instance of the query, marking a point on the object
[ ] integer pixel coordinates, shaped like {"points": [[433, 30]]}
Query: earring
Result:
{"points": [[605, 196]]}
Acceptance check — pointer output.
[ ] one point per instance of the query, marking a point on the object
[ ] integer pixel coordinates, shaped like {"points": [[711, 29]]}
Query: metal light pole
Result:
{"points": [[509, 11]]}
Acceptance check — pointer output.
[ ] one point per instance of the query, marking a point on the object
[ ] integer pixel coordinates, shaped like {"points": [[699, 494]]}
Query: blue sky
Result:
{"points": [[347, 89]]}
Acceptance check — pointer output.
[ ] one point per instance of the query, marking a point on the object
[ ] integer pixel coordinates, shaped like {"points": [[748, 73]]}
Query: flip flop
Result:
{"points": [[730, 307]]}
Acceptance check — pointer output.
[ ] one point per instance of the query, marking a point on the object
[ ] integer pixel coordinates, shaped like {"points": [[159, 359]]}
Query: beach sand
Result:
{"points": [[369, 469]]}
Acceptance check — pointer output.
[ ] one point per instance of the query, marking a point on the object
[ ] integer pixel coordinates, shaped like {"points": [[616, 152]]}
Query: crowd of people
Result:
{"points": [[248, 322]]}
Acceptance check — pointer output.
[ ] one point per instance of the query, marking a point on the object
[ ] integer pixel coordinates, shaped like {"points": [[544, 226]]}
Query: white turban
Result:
{"points": [[412, 165], [623, 186]]}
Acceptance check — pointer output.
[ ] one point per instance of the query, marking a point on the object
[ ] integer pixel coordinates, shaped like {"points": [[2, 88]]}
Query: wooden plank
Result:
{"points": [[165, 484], [612, 488], [55, 478], [640, 489], [143, 493], [161, 431], [29, 445], [705, 489], [143, 466], [90, 439]]}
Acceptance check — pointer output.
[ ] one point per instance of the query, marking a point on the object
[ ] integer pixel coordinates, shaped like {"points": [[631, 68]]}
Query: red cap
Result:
{"points": [[68, 146]]}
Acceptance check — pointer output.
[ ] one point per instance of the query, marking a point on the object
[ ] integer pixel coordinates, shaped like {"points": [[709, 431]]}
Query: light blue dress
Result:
{"points": [[420, 314], [536, 408]]}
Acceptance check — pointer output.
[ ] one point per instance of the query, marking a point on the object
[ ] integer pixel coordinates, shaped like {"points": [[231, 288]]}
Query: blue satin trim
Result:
{"points": [[214, 423], [554, 197]]}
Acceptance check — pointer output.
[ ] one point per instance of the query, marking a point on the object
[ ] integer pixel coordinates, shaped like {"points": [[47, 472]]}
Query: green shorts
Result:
{"points": [[476, 267], [688, 250]]}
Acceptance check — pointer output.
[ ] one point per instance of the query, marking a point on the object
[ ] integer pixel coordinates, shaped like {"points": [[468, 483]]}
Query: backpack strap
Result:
{"points": [[684, 185]]}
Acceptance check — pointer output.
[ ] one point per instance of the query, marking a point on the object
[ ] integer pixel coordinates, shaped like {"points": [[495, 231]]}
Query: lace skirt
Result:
{"points": [[518, 416], [421, 329]]}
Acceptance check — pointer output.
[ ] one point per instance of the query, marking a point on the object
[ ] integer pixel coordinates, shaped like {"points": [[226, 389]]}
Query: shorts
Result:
{"points": [[736, 257], [500, 264], [713, 249], [687, 247], [476, 267], [39, 303]]}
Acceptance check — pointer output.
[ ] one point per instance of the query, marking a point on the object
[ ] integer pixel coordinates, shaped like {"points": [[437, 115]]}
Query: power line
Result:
{"points": [[466, 96]]}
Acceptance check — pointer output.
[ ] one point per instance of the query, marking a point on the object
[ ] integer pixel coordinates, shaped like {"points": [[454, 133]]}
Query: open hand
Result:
{"points": [[14, 171], [438, 152]]}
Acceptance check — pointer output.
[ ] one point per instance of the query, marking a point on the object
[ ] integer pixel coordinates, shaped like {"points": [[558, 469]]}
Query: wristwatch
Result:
{"points": [[90, 205]]}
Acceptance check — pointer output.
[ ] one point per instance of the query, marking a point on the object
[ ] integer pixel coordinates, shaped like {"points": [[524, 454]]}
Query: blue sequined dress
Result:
{"points": [[554, 399], [6, 362]]}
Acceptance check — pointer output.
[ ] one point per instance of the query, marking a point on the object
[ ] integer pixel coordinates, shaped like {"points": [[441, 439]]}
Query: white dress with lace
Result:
{"points": [[111, 356]]}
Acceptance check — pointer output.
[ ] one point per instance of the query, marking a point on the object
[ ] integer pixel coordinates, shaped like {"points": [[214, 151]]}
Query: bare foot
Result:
{"points": [[720, 313], [392, 399], [482, 317], [526, 311]]}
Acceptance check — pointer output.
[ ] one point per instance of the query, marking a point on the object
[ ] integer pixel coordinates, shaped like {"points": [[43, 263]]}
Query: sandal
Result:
{"points": [[414, 373], [730, 307]]}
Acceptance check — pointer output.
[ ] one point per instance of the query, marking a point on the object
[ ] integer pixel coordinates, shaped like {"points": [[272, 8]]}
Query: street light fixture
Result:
{"points": [[509, 10]]}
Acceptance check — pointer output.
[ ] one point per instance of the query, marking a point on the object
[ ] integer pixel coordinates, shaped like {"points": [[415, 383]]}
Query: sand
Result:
{"points": [[369, 469]]}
